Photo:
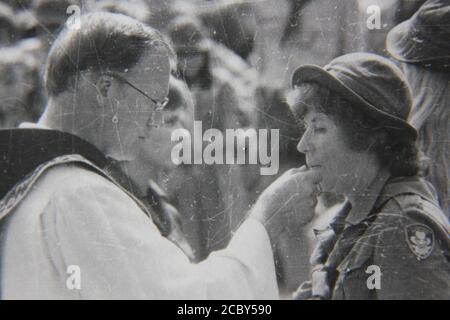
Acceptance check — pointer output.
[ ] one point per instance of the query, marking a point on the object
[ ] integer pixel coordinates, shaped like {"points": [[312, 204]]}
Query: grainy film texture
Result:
{"points": [[224, 149]]}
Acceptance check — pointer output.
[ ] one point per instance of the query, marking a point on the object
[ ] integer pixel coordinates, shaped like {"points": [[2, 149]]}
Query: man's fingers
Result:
{"points": [[301, 169], [293, 171]]}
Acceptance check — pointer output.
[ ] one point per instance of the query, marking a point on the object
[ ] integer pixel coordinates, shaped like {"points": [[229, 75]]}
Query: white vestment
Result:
{"points": [[76, 235]]}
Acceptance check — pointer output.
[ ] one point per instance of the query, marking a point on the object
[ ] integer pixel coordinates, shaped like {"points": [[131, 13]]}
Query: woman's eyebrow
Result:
{"points": [[318, 117]]}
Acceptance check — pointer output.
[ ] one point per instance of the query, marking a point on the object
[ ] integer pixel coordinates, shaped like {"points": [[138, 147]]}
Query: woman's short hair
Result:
{"points": [[103, 41], [393, 149]]}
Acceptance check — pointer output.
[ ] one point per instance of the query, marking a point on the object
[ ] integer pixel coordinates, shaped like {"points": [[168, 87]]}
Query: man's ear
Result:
{"points": [[103, 85]]}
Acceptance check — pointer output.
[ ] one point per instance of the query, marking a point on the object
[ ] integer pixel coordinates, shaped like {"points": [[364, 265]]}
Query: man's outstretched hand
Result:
{"points": [[288, 201]]}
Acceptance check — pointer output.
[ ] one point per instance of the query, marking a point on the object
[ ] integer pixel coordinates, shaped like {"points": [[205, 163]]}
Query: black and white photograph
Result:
{"points": [[217, 150]]}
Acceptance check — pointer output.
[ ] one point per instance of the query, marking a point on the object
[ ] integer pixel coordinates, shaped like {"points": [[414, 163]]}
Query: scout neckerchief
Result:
{"points": [[336, 243]]}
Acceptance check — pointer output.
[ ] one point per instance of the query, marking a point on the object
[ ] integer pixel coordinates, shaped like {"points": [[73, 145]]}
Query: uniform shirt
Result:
{"points": [[77, 235], [392, 244]]}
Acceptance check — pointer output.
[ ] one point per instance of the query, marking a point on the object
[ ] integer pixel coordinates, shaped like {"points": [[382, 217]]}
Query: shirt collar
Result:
{"points": [[23, 150], [32, 125], [363, 203], [377, 194], [407, 185]]}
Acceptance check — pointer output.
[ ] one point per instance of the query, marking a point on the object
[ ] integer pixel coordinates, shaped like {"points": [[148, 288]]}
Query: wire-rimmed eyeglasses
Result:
{"points": [[160, 105]]}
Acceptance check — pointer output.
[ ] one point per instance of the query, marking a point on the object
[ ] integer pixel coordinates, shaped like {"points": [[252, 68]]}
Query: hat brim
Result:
{"points": [[404, 47], [316, 74]]}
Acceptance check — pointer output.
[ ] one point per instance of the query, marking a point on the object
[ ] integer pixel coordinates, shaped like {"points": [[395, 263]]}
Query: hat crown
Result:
{"points": [[424, 38], [431, 24], [376, 80], [433, 14]]}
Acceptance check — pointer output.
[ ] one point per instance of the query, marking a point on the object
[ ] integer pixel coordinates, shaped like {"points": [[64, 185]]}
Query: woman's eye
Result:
{"points": [[319, 130]]}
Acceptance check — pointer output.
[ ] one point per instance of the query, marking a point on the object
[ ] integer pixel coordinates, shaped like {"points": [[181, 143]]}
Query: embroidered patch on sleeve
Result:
{"points": [[420, 239]]}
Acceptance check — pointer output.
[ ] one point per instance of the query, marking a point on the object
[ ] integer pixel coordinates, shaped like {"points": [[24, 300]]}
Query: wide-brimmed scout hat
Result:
{"points": [[369, 81], [46, 14], [425, 37]]}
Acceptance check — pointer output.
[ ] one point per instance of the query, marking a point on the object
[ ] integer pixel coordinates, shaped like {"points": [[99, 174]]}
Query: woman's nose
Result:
{"points": [[304, 145]]}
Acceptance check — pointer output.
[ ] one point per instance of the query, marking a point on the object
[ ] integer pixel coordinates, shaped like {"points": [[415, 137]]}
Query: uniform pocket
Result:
{"points": [[352, 280]]}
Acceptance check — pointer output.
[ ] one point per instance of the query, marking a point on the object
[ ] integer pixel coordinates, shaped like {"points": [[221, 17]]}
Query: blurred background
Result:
{"points": [[236, 58]]}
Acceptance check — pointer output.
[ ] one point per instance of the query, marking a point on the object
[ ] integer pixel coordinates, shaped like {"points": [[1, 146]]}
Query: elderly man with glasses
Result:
{"points": [[69, 230]]}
